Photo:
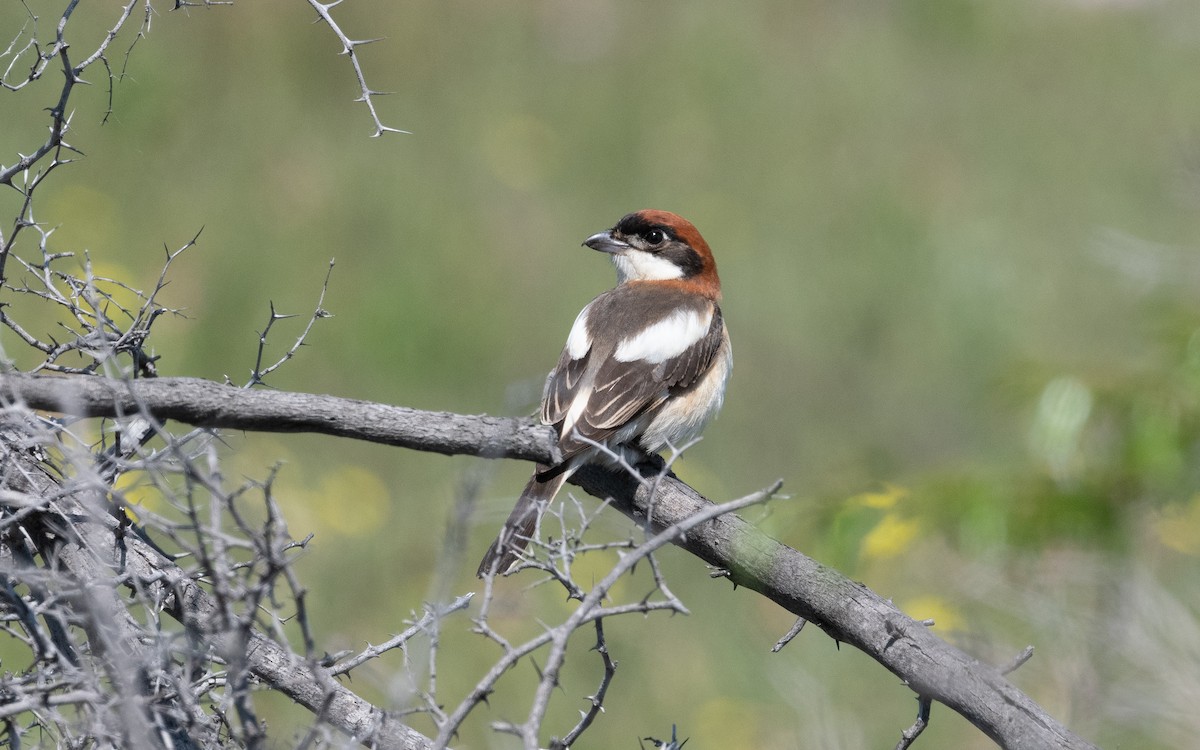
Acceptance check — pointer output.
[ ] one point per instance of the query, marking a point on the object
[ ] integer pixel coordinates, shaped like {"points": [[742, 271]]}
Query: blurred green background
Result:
{"points": [[959, 246]]}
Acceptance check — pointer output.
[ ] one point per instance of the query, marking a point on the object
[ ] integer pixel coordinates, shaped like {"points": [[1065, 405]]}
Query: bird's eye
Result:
{"points": [[655, 237]]}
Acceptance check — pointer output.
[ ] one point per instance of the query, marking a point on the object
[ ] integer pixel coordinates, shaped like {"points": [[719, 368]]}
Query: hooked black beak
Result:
{"points": [[606, 243]]}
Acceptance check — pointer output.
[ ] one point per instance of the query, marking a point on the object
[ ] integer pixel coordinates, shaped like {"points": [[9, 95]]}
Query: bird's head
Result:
{"points": [[652, 245]]}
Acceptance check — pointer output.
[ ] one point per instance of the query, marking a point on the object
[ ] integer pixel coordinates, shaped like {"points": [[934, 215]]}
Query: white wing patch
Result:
{"points": [[665, 339], [578, 341]]}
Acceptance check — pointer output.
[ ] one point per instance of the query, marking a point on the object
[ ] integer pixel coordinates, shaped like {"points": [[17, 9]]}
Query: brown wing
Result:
{"points": [[564, 380], [561, 385], [624, 391]]}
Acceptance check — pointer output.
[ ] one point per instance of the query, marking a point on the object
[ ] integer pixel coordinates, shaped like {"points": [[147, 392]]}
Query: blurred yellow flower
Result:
{"points": [[890, 537], [944, 615], [884, 499], [136, 492]]}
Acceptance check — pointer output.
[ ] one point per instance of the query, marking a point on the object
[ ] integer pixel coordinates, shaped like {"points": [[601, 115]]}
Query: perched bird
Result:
{"points": [[645, 364]]}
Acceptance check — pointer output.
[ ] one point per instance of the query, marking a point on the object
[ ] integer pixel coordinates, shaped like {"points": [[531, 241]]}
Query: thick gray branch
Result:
{"points": [[849, 612], [204, 403]]}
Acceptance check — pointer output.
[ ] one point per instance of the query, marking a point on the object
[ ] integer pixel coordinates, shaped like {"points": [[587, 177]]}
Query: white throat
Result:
{"points": [[636, 265]]}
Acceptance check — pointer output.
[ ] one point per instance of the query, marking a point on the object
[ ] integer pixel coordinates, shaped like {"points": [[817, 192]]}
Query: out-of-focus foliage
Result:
{"points": [[960, 242]]}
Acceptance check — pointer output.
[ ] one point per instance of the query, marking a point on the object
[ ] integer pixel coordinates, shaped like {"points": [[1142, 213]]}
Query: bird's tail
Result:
{"points": [[519, 527]]}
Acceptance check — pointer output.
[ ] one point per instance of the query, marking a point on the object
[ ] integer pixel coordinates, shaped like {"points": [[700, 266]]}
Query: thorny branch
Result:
{"points": [[40, 57], [319, 312], [590, 608], [200, 666], [77, 575], [596, 700], [350, 49], [432, 614], [137, 642]]}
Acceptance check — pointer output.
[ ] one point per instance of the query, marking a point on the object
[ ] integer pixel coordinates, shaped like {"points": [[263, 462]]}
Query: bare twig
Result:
{"points": [[910, 735], [350, 49], [319, 313], [596, 700], [371, 652], [590, 609], [1017, 661], [788, 636]]}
